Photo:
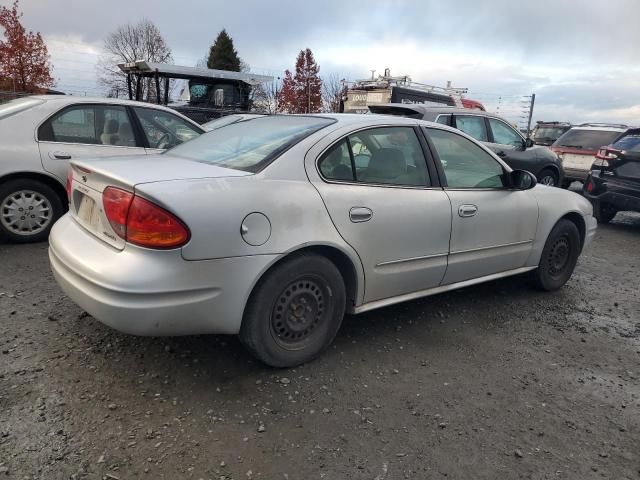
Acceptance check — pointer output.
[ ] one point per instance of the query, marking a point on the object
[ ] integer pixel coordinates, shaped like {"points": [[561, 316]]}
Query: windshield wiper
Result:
{"points": [[572, 146]]}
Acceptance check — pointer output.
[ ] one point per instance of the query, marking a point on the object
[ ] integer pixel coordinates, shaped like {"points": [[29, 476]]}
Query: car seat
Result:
{"points": [[125, 135], [110, 133]]}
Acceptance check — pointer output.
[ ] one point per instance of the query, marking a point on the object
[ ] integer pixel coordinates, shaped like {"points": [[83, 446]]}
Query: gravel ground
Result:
{"points": [[496, 381]]}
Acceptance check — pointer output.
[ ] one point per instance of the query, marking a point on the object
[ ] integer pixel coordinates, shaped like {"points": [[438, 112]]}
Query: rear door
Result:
{"points": [[493, 226], [386, 203], [85, 131]]}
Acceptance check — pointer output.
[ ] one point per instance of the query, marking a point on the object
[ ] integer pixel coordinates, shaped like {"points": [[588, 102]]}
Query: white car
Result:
{"points": [[40, 134]]}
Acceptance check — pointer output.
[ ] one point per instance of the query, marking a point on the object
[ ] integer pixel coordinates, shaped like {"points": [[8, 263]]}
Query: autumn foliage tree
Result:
{"points": [[24, 59], [302, 92]]}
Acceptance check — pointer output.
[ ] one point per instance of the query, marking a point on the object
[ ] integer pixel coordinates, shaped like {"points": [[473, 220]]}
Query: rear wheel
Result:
{"points": [[295, 311], [548, 177], [28, 210], [559, 257], [603, 212]]}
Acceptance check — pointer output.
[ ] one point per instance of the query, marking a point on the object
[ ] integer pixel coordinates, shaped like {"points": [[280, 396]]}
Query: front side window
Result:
{"points": [[163, 129], [465, 164], [473, 126], [444, 119], [387, 156], [503, 134], [89, 124]]}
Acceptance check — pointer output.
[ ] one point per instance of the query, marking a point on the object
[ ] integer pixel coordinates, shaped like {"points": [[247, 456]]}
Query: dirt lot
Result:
{"points": [[496, 382]]}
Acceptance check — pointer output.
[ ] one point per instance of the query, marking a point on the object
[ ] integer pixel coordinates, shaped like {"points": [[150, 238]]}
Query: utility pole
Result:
{"points": [[533, 101]]}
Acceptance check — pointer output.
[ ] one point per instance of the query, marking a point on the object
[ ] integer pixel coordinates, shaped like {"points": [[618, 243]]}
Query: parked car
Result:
{"points": [[545, 133], [273, 228], [228, 120], [578, 146], [614, 182], [495, 132], [40, 134]]}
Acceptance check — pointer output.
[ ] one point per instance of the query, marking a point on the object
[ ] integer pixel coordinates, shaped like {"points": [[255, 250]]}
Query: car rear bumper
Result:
{"points": [[575, 174], [147, 292], [619, 201]]}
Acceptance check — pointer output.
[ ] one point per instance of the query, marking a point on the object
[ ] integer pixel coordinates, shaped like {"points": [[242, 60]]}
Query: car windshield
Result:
{"points": [[587, 139], [550, 132], [630, 143], [250, 145], [18, 105]]}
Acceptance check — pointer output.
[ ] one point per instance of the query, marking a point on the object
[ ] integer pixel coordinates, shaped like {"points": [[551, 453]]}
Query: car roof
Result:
{"points": [[601, 129], [444, 109], [62, 99]]}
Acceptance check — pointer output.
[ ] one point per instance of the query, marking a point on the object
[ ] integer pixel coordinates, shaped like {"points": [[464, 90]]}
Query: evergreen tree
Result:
{"points": [[222, 55]]}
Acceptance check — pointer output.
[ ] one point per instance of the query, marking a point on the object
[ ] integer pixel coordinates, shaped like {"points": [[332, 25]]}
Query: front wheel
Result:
{"points": [[548, 177], [28, 210], [295, 311], [559, 257]]}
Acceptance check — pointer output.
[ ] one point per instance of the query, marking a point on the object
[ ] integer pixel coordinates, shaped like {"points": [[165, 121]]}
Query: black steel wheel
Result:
{"points": [[295, 311], [559, 256]]}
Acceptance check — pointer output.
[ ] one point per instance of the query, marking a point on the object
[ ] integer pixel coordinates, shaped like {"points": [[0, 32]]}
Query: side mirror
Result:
{"points": [[523, 180], [528, 143]]}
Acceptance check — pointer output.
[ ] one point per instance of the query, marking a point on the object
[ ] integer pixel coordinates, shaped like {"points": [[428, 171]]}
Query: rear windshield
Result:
{"points": [[550, 132], [587, 139], [18, 105], [250, 146], [630, 143]]}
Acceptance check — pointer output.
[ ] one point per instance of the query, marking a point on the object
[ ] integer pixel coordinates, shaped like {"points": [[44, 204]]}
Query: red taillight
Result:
{"points": [[116, 204], [608, 154], [589, 186], [141, 222], [69, 183]]}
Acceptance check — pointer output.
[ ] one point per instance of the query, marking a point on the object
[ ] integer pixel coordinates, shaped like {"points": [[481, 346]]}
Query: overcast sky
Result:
{"points": [[580, 57]]}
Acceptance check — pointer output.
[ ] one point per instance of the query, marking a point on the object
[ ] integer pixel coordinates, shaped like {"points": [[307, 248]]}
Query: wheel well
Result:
{"points": [[342, 262], [46, 179], [551, 167], [577, 219]]}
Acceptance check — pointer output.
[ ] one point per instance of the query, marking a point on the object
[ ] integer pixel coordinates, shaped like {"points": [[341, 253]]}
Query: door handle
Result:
{"points": [[467, 210], [501, 153], [360, 214], [62, 155]]}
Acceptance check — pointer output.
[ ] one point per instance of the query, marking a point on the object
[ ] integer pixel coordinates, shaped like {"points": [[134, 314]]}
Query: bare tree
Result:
{"points": [[130, 43], [333, 89], [264, 97]]}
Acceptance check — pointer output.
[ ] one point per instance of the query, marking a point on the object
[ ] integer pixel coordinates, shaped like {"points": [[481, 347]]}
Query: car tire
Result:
{"points": [[603, 212], [548, 177], [295, 311], [559, 257], [32, 196]]}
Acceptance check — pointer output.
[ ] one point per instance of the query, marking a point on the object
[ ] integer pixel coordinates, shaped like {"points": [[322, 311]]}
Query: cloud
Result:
{"points": [[575, 55]]}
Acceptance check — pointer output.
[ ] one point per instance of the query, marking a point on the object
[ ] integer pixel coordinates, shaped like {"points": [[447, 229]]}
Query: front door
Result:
{"points": [[493, 226], [85, 131], [386, 204]]}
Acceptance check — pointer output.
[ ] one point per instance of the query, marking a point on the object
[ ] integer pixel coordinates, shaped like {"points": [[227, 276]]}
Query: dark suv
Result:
{"points": [[495, 132], [614, 182], [545, 133]]}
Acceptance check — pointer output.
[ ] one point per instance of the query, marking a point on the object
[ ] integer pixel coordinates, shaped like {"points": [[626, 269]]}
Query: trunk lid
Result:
{"points": [[89, 178]]}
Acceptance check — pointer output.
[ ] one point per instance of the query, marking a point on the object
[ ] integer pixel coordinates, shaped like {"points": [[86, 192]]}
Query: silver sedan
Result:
{"points": [[41, 133], [274, 228]]}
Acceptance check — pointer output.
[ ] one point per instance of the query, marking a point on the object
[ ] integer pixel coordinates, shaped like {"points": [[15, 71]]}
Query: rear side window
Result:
{"points": [[587, 139], [89, 124], [473, 126], [381, 156], [444, 119], [629, 143]]}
